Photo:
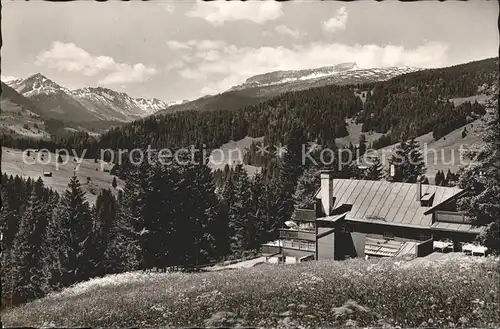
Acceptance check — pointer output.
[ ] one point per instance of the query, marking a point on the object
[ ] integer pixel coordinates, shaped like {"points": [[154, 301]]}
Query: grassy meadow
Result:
{"points": [[458, 291]]}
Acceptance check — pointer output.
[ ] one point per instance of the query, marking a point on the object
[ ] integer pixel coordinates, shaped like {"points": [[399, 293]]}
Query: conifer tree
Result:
{"points": [[105, 212], [408, 161], [256, 227], [240, 212], [290, 169], [270, 208], [375, 171], [438, 180], [362, 145], [199, 214], [122, 253], [30, 275], [75, 236], [482, 181], [307, 185], [449, 180]]}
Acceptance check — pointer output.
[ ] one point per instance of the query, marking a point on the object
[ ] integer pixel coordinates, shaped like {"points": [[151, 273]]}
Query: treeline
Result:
{"points": [[321, 110], [448, 179]]}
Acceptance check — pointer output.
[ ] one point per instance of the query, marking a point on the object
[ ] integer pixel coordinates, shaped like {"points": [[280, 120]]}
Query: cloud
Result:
{"points": [[208, 91], [218, 12], [211, 55], [6, 78], [235, 64], [176, 64], [208, 44], [125, 73], [176, 45], [168, 7], [283, 29], [336, 23], [198, 44], [68, 57]]}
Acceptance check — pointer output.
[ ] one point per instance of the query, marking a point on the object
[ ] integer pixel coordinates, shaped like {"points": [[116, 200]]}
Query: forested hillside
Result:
{"points": [[419, 102]]}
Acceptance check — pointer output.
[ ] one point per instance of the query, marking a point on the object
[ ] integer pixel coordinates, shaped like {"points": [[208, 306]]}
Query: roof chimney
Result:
{"points": [[419, 188], [326, 191], [393, 170]]}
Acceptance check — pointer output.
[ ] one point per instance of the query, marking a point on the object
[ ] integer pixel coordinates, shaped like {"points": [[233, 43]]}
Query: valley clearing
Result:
{"points": [[448, 290], [89, 173]]}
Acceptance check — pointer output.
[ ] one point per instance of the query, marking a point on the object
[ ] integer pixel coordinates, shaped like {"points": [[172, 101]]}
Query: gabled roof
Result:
{"points": [[389, 203]]}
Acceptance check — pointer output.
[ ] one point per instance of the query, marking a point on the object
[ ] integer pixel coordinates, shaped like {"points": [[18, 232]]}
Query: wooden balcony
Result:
{"points": [[451, 217]]}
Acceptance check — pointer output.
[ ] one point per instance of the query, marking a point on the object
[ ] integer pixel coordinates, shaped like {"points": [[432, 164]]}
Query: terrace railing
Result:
{"points": [[301, 234]]}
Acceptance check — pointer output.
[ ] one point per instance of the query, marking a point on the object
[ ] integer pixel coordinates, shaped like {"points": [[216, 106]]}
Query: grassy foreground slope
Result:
{"points": [[445, 291]]}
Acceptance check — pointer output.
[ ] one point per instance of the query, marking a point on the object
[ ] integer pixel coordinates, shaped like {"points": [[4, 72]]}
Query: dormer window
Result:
{"points": [[427, 199]]}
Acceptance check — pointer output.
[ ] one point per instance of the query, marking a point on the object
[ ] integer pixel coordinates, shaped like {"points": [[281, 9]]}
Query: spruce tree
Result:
{"points": [[449, 178], [256, 227], [482, 181], [362, 145], [375, 171], [75, 236], [240, 212], [290, 169], [408, 161], [270, 208], [105, 212], [122, 253], [438, 179], [307, 185], [199, 214], [29, 267]]}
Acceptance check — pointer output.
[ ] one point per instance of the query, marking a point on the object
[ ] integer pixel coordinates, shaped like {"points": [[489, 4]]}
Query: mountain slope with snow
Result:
{"points": [[265, 86], [303, 79], [278, 77], [85, 104]]}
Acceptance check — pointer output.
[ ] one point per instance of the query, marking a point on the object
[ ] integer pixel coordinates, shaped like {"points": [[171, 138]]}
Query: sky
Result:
{"points": [[172, 50]]}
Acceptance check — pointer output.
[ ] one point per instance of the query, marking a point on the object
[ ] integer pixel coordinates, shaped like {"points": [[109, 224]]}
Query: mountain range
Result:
{"points": [[98, 108], [83, 105]]}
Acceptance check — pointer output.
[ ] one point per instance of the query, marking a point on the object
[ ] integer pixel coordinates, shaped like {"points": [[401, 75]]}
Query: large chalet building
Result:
{"points": [[363, 218]]}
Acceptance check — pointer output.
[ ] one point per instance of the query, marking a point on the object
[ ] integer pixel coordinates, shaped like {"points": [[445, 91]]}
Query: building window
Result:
{"points": [[425, 237], [388, 235]]}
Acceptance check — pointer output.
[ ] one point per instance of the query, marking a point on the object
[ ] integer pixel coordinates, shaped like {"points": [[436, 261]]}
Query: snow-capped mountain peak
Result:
{"points": [[152, 104], [127, 107], [36, 84]]}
